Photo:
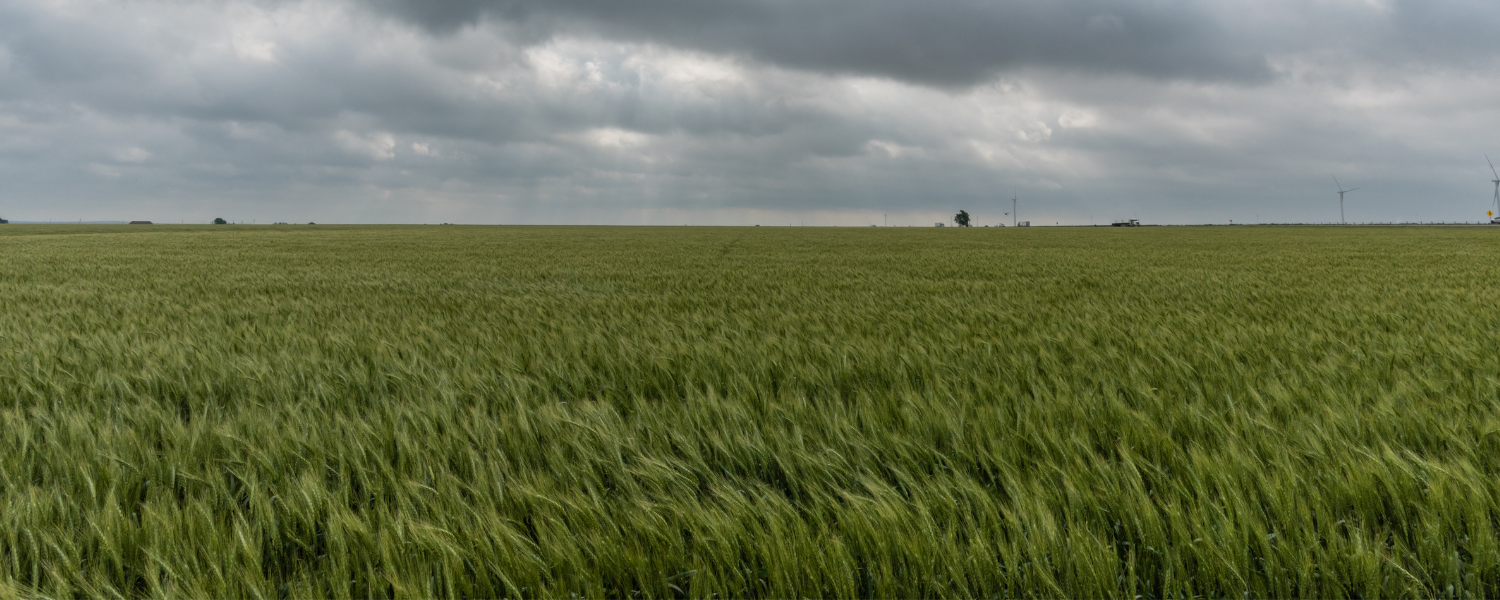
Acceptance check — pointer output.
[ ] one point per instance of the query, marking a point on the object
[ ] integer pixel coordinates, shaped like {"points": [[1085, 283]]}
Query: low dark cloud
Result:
{"points": [[949, 43]]}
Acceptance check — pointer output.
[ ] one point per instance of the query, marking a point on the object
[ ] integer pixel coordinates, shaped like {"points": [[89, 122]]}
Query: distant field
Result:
{"points": [[305, 411]]}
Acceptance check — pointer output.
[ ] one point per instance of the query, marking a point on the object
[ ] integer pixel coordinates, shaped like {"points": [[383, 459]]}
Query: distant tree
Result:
{"points": [[3, 221], [220, 222], [962, 218]]}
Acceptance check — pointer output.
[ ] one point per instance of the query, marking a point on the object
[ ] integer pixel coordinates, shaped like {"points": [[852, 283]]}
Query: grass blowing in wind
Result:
{"points": [[758, 412]]}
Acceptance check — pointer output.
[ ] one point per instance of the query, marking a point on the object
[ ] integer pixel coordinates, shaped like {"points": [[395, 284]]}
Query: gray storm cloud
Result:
{"points": [[947, 43], [741, 111]]}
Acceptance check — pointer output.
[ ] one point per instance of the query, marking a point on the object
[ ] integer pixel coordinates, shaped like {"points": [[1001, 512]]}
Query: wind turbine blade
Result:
{"points": [[1492, 165], [1351, 190], [1336, 182]]}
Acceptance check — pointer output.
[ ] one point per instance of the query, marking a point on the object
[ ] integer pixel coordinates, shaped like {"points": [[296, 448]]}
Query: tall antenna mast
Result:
{"points": [[1343, 191]]}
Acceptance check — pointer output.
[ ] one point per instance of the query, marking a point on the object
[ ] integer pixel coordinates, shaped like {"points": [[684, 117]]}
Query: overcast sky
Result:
{"points": [[827, 112]]}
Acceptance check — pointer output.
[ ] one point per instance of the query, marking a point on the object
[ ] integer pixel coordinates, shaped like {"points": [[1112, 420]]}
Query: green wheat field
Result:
{"points": [[445, 411]]}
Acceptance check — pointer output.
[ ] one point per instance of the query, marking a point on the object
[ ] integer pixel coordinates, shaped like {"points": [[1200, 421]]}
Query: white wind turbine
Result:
{"points": [[1494, 218], [1013, 218], [1342, 191]]}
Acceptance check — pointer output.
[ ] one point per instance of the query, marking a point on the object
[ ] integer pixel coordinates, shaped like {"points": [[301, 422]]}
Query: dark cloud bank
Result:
{"points": [[739, 111], [948, 44]]}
